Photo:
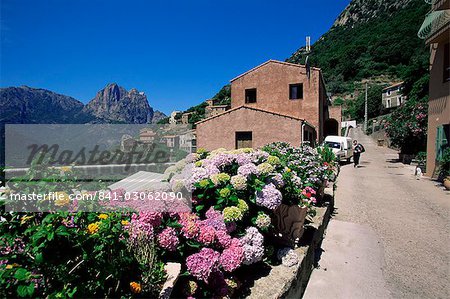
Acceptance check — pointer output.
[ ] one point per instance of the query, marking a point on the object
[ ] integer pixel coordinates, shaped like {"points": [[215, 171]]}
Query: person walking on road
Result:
{"points": [[357, 150]]}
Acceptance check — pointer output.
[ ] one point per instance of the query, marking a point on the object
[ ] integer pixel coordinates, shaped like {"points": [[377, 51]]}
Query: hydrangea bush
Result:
{"points": [[235, 195]]}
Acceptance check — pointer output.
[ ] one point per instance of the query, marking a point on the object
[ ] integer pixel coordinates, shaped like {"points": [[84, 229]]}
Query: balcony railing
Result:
{"points": [[433, 22]]}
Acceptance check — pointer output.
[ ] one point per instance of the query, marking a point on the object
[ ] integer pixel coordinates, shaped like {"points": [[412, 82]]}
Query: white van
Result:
{"points": [[341, 146]]}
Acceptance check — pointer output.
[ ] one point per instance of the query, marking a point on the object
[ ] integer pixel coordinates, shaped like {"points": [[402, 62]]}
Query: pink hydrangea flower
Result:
{"points": [[223, 238], [138, 227], [231, 258], [202, 264], [206, 234], [153, 218], [168, 239], [190, 229]]}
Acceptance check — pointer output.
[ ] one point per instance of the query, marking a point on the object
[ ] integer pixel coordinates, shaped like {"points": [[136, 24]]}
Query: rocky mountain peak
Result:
{"points": [[364, 10], [116, 103], [26, 104]]}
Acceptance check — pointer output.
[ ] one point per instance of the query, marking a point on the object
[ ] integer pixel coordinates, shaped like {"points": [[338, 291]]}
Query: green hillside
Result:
{"points": [[223, 97], [384, 45]]}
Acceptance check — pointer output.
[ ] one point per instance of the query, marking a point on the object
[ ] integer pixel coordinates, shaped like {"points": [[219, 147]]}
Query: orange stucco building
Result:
{"points": [[275, 101], [436, 32]]}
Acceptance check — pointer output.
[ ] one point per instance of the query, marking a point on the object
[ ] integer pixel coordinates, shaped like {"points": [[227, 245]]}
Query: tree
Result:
{"points": [[338, 102], [407, 126], [354, 109]]}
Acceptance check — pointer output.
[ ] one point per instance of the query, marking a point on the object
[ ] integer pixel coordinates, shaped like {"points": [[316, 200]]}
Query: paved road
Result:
{"points": [[390, 236]]}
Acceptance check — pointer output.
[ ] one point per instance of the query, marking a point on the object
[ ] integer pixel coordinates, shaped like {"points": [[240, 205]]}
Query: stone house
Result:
{"points": [[187, 141], [172, 141], [275, 101], [185, 117], [392, 96], [211, 109], [435, 31], [147, 135]]}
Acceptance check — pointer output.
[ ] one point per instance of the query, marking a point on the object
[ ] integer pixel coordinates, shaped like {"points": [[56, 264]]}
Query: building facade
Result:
{"points": [[275, 101], [147, 135], [187, 141], [211, 109], [435, 30], [392, 96]]}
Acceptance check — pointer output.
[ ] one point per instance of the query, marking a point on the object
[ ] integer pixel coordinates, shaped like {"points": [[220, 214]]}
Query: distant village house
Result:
{"points": [[393, 96], [213, 110], [147, 135]]}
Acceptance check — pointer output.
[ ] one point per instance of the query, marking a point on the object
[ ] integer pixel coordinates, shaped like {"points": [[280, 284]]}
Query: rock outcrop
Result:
{"points": [[119, 105], [113, 104], [359, 11], [26, 105]]}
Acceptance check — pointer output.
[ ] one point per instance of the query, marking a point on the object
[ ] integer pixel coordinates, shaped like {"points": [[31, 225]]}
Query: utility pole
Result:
{"points": [[365, 113]]}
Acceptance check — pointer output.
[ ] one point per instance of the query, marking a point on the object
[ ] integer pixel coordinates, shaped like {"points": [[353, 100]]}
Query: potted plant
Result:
{"points": [[444, 169]]}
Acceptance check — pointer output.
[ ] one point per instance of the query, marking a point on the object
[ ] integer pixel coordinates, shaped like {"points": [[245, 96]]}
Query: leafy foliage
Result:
{"points": [[55, 255], [444, 169], [386, 45], [407, 126], [223, 97], [354, 109]]}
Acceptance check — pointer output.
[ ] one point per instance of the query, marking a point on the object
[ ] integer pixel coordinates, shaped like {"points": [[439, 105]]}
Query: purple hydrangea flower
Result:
{"points": [[252, 243], [168, 239], [202, 264], [243, 158], [221, 159], [223, 238], [252, 254], [247, 169], [215, 219], [269, 197], [277, 180]]}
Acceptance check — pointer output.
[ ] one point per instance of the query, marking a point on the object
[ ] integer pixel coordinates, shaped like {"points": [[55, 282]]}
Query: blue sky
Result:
{"points": [[179, 52]]}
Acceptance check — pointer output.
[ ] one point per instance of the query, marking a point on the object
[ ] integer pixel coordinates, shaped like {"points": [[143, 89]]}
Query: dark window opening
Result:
{"points": [[250, 95], [295, 91], [446, 63], [243, 140]]}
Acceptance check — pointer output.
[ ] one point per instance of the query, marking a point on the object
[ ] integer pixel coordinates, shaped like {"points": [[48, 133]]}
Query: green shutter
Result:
{"points": [[441, 142]]}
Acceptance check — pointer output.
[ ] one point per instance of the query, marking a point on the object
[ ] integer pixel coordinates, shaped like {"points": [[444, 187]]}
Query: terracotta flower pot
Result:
{"points": [[447, 183]]}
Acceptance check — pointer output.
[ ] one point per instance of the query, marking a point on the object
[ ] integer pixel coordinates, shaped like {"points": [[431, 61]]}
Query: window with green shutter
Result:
{"points": [[442, 140]]}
